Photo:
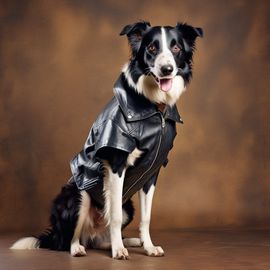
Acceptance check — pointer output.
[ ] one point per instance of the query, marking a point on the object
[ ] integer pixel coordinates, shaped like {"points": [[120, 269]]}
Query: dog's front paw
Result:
{"points": [[154, 251], [77, 250], [120, 254]]}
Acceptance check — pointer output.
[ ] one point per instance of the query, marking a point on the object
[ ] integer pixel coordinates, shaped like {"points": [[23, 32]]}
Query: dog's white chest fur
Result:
{"points": [[133, 156]]}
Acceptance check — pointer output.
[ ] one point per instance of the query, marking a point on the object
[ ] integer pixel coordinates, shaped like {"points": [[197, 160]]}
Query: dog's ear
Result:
{"points": [[189, 34], [134, 34]]}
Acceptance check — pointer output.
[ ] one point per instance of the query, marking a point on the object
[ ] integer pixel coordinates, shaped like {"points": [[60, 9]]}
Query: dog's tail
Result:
{"points": [[63, 219], [26, 243], [45, 240]]}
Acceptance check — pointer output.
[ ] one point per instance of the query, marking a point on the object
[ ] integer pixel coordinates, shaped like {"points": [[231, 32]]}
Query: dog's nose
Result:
{"points": [[166, 69]]}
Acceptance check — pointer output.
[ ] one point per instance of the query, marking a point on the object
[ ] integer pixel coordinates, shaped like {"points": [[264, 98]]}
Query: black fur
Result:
{"points": [[150, 182], [141, 36], [63, 220], [134, 33], [130, 210], [64, 216], [117, 159]]}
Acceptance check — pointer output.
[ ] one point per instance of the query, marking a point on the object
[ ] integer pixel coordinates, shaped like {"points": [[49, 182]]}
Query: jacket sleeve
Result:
{"points": [[86, 167], [111, 134]]}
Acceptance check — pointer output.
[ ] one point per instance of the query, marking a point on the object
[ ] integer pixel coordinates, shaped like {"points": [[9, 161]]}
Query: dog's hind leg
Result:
{"points": [[146, 197], [132, 242], [102, 241], [76, 249]]}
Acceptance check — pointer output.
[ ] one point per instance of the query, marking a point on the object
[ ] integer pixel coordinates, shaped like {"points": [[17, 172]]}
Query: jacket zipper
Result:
{"points": [[163, 123]]}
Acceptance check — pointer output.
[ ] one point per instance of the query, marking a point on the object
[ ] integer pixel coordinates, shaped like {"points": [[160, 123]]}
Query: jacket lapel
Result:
{"points": [[136, 107]]}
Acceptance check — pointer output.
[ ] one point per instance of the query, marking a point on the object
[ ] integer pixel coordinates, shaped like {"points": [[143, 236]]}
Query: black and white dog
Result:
{"points": [[125, 149]]}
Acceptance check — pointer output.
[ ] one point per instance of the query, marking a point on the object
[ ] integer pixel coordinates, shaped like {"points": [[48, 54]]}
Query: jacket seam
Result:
{"points": [[123, 130]]}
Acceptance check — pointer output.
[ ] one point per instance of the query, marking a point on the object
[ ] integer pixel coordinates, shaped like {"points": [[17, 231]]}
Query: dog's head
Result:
{"points": [[160, 65]]}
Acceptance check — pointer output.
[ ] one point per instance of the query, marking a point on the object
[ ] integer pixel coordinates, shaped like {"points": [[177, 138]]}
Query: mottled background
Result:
{"points": [[58, 62]]}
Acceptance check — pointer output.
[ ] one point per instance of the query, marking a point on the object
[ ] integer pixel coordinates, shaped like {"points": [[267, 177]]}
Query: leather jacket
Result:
{"points": [[128, 121]]}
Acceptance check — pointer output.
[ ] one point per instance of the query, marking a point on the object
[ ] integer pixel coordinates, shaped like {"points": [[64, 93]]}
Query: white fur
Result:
{"points": [[26, 243], [76, 249], [101, 236], [164, 58], [103, 240], [124, 217], [130, 81], [113, 188], [114, 216], [87, 229], [147, 86], [165, 48], [146, 206], [107, 193], [133, 156]]}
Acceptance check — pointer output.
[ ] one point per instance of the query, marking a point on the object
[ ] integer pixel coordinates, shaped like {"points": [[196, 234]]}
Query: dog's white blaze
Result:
{"points": [[164, 41], [26, 243], [164, 58]]}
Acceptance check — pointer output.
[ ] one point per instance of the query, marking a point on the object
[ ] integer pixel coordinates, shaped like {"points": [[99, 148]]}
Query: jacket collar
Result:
{"points": [[136, 107]]}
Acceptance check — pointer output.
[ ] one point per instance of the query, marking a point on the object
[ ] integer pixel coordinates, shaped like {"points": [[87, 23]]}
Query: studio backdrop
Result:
{"points": [[58, 63]]}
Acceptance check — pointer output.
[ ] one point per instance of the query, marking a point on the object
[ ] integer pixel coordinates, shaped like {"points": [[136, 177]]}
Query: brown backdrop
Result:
{"points": [[58, 63]]}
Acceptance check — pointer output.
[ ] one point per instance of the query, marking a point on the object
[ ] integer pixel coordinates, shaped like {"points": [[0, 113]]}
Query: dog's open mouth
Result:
{"points": [[165, 84]]}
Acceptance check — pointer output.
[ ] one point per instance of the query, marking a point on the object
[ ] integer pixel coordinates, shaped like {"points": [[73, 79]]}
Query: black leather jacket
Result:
{"points": [[128, 121]]}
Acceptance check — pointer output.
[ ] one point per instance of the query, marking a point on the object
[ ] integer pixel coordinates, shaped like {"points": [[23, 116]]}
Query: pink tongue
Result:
{"points": [[165, 84]]}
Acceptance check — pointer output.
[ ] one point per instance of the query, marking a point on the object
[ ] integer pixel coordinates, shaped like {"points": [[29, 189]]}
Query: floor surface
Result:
{"points": [[186, 250]]}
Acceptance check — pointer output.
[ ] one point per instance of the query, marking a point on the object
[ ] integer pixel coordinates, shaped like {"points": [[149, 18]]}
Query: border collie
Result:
{"points": [[126, 147]]}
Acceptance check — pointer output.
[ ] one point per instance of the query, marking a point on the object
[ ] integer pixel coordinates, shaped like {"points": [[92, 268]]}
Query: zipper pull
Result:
{"points": [[162, 122]]}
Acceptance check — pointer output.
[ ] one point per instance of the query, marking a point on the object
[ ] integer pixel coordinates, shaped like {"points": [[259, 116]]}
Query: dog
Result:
{"points": [[126, 147]]}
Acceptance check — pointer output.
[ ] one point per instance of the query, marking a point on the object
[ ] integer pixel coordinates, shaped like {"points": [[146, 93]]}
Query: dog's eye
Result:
{"points": [[176, 49], [152, 49]]}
